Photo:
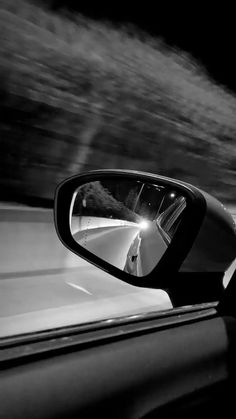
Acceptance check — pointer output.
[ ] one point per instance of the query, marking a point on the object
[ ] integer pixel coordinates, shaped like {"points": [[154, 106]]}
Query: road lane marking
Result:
{"points": [[79, 288]]}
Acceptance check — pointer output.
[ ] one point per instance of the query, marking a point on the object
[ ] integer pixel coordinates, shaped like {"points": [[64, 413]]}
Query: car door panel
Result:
{"points": [[123, 377]]}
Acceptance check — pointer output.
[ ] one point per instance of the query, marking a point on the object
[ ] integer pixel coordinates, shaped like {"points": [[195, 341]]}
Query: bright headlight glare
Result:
{"points": [[143, 225]]}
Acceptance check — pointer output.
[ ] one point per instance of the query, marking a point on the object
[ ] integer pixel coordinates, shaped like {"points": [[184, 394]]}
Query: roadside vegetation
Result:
{"points": [[78, 94]]}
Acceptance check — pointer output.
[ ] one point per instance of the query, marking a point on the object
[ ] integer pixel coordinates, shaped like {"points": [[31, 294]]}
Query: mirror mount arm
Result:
{"points": [[196, 288]]}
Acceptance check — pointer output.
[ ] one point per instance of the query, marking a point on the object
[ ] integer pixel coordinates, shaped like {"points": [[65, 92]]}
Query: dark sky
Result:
{"points": [[209, 35]]}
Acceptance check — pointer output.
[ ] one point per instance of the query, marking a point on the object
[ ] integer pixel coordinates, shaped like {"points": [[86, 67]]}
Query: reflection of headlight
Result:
{"points": [[143, 225]]}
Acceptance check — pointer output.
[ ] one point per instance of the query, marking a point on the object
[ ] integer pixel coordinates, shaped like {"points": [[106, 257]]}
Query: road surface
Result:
{"points": [[111, 244]]}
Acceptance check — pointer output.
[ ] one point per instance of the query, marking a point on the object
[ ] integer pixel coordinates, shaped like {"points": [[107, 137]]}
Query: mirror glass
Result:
{"points": [[125, 222]]}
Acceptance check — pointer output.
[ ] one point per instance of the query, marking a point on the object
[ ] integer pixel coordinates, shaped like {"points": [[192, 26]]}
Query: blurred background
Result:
{"points": [[83, 89]]}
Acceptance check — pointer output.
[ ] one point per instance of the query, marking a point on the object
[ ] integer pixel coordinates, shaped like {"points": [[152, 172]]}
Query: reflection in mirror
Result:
{"points": [[127, 223]]}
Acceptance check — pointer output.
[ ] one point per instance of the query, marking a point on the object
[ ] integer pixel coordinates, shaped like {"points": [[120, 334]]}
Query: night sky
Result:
{"points": [[208, 35]]}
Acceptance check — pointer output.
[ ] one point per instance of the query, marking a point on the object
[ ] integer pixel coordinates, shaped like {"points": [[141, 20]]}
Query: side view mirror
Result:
{"points": [[147, 230]]}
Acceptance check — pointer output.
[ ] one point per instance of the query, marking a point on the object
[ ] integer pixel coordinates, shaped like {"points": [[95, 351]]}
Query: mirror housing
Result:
{"points": [[191, 269]]}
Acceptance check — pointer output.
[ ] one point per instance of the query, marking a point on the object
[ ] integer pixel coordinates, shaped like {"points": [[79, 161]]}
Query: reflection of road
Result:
{"points": [[126, 247], [109, 243]]}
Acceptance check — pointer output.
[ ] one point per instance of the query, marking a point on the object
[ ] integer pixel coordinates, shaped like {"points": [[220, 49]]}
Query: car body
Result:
{"points": [[141, 257]]}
